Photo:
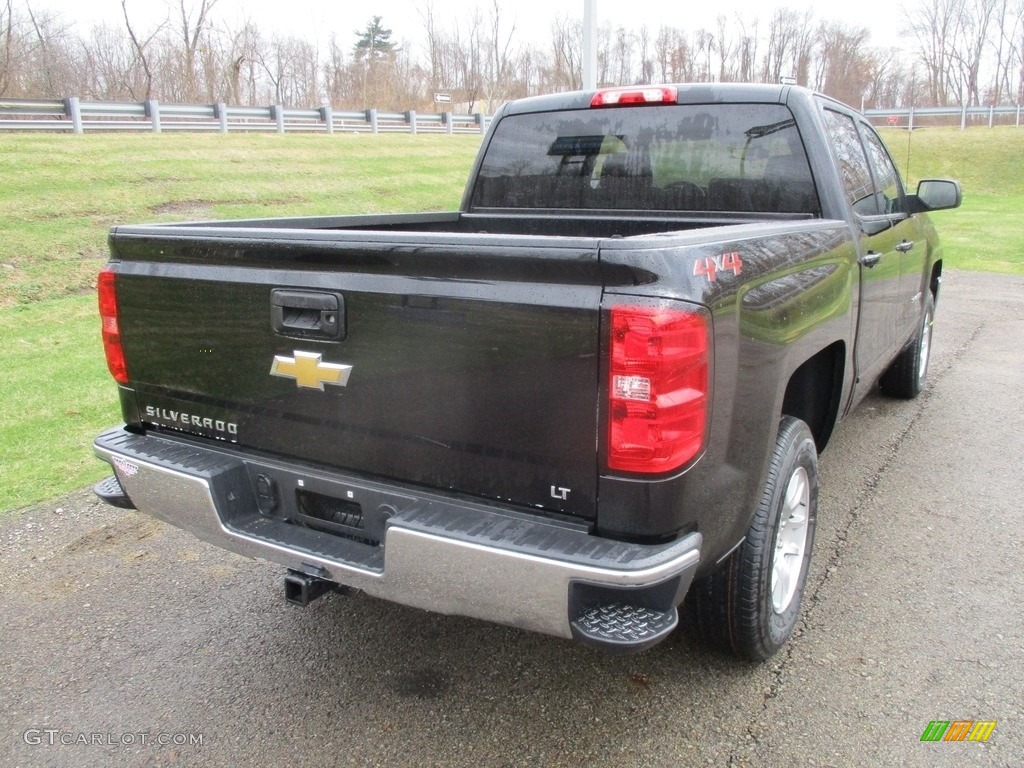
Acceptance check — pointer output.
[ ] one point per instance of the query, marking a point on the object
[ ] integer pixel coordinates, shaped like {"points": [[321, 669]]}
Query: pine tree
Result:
{"points": [[374, 42]]}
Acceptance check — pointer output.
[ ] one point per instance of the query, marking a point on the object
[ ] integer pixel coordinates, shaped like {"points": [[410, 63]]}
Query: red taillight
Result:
{"points": [[107, 285], [638, 94], [658, 384]]}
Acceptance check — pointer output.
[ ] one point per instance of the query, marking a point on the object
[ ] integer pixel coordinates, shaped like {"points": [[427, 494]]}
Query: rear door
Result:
{"points": [[469, 365], [879, 258]]}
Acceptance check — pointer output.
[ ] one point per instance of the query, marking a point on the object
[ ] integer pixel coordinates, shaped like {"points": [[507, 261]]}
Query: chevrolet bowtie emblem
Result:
{"points": [[308, 370]]}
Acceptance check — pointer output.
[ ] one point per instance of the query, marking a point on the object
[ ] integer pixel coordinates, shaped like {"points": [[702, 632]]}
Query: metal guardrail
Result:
{"points": [[76, 116], [905, 118]]}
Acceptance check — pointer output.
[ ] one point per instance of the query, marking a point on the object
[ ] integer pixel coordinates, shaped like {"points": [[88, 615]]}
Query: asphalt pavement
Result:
{"points": [[127, 642]]}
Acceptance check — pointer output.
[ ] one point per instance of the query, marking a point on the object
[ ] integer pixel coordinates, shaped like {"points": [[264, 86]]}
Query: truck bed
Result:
{"points": [[552, 223]]}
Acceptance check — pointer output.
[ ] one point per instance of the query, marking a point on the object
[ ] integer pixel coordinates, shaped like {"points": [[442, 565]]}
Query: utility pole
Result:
{"points": [[589, 45]]}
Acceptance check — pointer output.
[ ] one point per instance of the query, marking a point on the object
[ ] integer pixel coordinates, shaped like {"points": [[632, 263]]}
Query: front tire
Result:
{"points": [[750, 605], [906, 376]]}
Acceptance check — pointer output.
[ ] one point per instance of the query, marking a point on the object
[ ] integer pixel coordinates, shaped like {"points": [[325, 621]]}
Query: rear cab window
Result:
{"points": [[717, 157]]}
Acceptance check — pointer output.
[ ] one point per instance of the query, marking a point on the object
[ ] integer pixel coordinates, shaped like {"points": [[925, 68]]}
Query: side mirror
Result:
{"points": [[935, 195]]}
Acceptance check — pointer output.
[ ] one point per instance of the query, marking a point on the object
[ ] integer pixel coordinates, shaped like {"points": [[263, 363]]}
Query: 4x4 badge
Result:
{"points": [[309, 371]]}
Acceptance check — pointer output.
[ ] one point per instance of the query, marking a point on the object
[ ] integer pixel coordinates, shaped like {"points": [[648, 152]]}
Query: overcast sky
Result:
{"points": [[316, 19]]}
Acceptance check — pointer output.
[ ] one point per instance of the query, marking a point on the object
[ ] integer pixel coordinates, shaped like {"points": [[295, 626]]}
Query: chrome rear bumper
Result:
{"points": [[439, 553]]}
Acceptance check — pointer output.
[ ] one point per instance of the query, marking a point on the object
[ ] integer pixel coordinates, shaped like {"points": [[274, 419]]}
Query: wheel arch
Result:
{"points": [[935, 280], [814, 392]]}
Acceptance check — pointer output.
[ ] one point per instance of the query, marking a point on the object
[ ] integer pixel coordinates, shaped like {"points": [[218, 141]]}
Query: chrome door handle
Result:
{"points": [[869, 259]]}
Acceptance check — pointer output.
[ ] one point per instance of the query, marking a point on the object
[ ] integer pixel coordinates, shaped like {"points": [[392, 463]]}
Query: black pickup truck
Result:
{"points": [[596, 391]]}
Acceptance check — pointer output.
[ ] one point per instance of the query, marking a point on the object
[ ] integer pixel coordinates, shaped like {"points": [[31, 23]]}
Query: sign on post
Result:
{"points": [[442, 98]]}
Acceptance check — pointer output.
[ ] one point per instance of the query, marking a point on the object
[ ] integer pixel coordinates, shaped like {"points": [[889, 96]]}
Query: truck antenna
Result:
{"points": [[910, 132]]}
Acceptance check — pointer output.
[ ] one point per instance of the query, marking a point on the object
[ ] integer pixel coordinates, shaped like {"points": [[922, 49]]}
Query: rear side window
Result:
{"points": [[853, 163], [720, 157]]}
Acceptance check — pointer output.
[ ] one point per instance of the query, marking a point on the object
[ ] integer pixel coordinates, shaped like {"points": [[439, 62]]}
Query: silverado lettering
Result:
{"points": [[190, 420], [594, 394]]}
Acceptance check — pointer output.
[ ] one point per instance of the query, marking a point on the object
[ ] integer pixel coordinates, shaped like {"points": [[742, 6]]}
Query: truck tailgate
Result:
{"points": [[470, 367]]}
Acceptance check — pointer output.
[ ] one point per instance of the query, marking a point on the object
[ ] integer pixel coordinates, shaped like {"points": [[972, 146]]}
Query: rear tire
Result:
{"points": [[750, 605], [906, 375]]}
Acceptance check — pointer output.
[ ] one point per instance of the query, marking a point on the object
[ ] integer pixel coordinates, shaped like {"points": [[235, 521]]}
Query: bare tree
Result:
{"points": [[662, 52], [437, 53], [49, 56], [193, 27], [747, 51], [1007, 32], [291, 66], [243, 64], [935, 24], [1020, 52], [336, 73], [804, 41], [142, 54], [501, 63], [975, 22], [566, 70], [622, 57], [845, 64], [529, 72], [38, 53], [783, 31], [7, 41], [705, 47], [643, 39], [724, 44], [111, 65], [673, 56], [469, 55]]}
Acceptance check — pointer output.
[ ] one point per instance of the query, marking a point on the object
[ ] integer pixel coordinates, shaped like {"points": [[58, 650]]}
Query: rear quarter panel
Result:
{"points": [[795, 294]]}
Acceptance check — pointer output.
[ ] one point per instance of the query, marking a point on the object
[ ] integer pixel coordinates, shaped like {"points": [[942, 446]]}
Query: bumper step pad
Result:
{"points": [[623, 628], [112, 493]]}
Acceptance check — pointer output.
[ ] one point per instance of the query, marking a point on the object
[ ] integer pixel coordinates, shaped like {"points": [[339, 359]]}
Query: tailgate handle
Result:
{"points": [[308, 314]]}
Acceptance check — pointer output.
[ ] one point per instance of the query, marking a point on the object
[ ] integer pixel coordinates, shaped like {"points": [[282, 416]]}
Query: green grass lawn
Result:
{"points": [[59, 194], [986, 232], [57, 394]]}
